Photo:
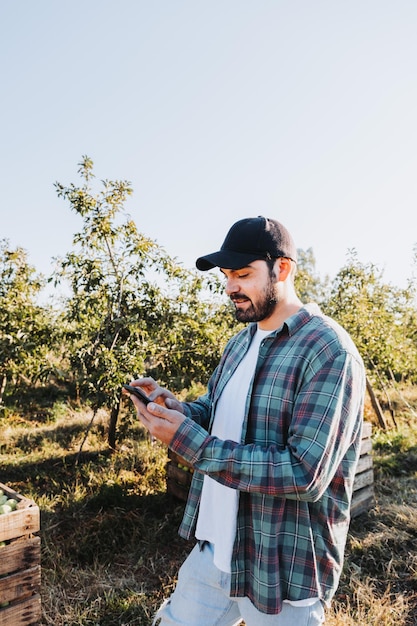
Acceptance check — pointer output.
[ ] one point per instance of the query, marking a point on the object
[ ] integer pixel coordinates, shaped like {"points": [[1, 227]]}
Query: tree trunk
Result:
{"points": [[3, 387], [114, 414], [375, 405]]}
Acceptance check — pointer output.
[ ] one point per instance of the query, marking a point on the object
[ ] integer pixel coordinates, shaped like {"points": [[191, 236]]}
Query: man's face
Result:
{"points": [[252, 291]]}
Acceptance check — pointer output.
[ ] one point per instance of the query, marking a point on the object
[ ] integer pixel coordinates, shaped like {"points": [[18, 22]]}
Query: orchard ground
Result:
{"points": [[110, 549]]}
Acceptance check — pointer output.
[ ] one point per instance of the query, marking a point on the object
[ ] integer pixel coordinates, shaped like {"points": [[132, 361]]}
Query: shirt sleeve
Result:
{"points": [[326, 422]]}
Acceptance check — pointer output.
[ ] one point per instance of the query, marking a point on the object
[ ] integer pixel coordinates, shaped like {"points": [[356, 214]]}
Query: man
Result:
{"points": [[274, 443]]}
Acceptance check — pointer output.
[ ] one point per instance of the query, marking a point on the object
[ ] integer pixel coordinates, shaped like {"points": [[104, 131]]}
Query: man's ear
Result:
{"points": [[284, 268]]}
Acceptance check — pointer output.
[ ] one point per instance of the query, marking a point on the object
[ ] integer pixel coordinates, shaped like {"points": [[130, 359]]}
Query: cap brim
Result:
{"points": [[225, 258]]}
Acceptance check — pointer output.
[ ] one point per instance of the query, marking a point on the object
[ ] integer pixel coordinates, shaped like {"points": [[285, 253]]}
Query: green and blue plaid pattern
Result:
{"points": [[295, 464]]}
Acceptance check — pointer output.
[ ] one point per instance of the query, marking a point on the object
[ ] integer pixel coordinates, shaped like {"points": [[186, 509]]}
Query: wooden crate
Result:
{"points": [[179, 475], [20, 569], [363, 487], [179, 479]]}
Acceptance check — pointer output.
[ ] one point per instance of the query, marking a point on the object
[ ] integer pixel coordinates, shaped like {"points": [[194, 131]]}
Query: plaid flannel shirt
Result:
{"points": [[295, 464]]}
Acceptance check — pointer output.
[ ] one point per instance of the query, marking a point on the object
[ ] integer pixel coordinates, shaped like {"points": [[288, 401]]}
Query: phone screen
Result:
{"points": [[137, 391]]}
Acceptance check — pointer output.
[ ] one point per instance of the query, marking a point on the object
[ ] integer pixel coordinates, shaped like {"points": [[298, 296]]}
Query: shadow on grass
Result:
{"points": [[116, 552], [50, 475], [66, 434], [37, 402], [93, 520]]}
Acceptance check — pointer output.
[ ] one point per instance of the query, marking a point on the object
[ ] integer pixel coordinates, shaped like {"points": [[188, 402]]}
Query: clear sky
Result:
{"points": [[302, 110]]}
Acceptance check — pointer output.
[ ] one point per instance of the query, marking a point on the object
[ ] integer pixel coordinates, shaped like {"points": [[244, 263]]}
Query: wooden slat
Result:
{"points": [[363, 479], [178, 474], [363, 487], [20, 585], [20, 554], [366, 430], [177, 490], [362, 501], [20, 570], [364, 463], [25, 613], [23, 521], [19, 522], [366, 446]]}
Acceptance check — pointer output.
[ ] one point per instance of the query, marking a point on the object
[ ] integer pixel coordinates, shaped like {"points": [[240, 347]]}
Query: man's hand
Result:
{"points": [[161, 421], [163, 416], [156, 393]]}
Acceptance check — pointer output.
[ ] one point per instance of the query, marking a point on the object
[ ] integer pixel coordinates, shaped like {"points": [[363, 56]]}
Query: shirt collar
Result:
{"points": [[293, 323]]}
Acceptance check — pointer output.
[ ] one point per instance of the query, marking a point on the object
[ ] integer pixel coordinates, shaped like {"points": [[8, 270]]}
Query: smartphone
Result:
{"points": [[137, 391]]}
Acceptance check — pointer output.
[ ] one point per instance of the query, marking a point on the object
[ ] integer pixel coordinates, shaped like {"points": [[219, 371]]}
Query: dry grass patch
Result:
{"points": [[110, 548]]}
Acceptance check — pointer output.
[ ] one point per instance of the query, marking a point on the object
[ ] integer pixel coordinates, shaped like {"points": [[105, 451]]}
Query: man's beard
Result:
{"points": [[260, 310]]}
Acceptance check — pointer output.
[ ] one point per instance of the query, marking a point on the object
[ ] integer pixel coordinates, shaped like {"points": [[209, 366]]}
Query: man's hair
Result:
{"points": [[271, 265], [270, 262]]}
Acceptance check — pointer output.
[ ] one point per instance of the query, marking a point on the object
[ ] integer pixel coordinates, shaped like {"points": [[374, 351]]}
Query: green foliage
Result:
{"points": [[133, 309], [380, 318], [26, 328], [310, 287], [191, 334]]}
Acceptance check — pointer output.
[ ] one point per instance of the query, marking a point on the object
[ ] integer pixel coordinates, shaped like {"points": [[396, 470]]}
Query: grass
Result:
{"points": [[110, 549]]}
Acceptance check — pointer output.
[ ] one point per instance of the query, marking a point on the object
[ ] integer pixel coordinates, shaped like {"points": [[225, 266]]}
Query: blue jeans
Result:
{"points": [[201, 598]]}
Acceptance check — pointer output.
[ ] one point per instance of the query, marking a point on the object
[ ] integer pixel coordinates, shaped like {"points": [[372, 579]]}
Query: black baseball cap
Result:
{"points": [[248, 240]]}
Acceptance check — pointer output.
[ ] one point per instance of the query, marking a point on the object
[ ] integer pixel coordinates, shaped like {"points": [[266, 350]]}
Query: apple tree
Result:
{"points": [[380, 317], [26, 327], [132, 309]]}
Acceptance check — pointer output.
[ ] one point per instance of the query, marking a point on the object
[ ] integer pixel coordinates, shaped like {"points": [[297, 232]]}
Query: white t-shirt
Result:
{"points": [[219, 504], [217, 515]]}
